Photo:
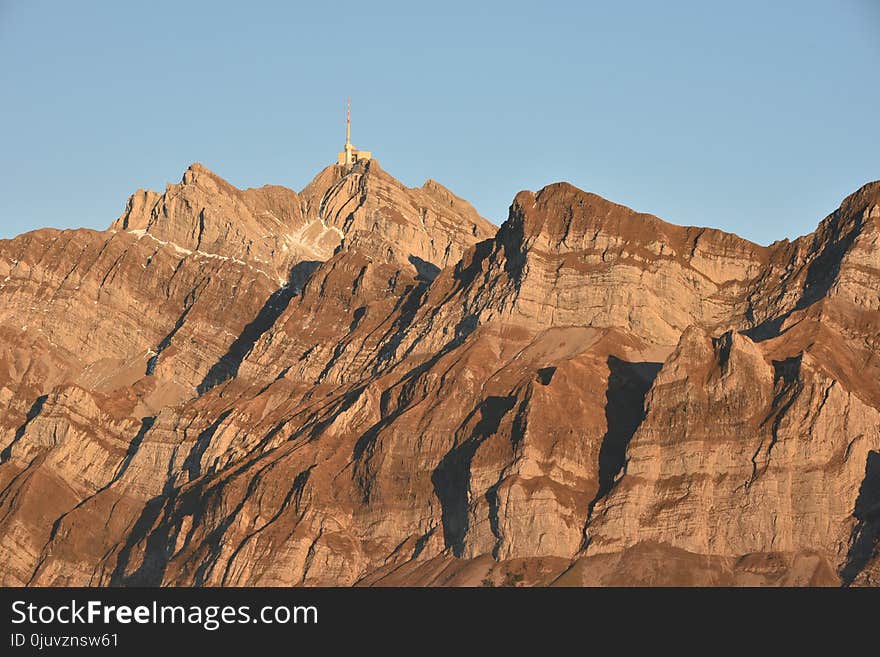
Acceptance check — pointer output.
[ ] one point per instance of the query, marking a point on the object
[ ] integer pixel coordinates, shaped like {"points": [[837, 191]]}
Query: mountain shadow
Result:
{"points": [[866, 534], [227, 367], [451, 478], [628, 383]]}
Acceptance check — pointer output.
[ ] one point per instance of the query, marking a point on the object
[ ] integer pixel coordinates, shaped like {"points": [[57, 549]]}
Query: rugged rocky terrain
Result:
{"points": [[368, 384]]}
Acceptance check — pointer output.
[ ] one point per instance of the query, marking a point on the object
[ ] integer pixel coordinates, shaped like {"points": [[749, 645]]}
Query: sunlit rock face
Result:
{"points": [[369, 384]]}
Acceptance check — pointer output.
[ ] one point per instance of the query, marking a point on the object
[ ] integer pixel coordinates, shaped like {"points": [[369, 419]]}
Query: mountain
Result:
{"points": [[369, 384]]}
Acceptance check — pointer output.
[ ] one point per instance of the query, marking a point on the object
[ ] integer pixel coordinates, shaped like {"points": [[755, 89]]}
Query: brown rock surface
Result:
{"points": [[364, 383]]}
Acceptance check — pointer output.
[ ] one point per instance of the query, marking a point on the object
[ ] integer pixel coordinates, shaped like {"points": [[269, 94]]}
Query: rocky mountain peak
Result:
{"points": [[429, 223], [866, 199], [197, 172], [273, 227], [366, 383]]}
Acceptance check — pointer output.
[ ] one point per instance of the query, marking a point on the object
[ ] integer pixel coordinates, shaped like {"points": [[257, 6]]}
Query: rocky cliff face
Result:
{"points": [[363, 383]]}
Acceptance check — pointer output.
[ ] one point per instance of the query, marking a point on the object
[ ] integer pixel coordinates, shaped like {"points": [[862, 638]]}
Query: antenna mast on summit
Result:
{"points": [[348, 121], [350, 155]]}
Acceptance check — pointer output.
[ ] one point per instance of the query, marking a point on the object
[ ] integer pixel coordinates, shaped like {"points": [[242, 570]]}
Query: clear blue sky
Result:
{"points": [[751, 116]]}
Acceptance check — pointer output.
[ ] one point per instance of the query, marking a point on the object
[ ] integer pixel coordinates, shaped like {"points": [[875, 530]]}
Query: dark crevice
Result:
{"points": [[787, 379], [154, 360], [492, 499], [821, 274], [347, 401], [357, 316], [425, 271], [133, 447], [767, 329], [513, 242], [545, 375], [824, 269], [358, 280], [192, 463], [201, 229], [421, 543], [467, 270], [722, 347], [35, 409], [227, 367], [152, 569], [451, 478], [787, 383], [865, 536], [628, 384]]}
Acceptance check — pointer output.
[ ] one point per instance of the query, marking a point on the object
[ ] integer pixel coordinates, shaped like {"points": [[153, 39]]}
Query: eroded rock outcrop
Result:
{"points": [[364, 383]]}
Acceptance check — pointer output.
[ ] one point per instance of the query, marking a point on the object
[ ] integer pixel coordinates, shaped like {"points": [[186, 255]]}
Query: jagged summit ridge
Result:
{"points": [[277, 226], [364, 383]]}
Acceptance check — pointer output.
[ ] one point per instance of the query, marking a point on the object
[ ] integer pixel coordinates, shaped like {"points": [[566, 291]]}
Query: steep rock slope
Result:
{"points": [[591, 395], [145, 318]]}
